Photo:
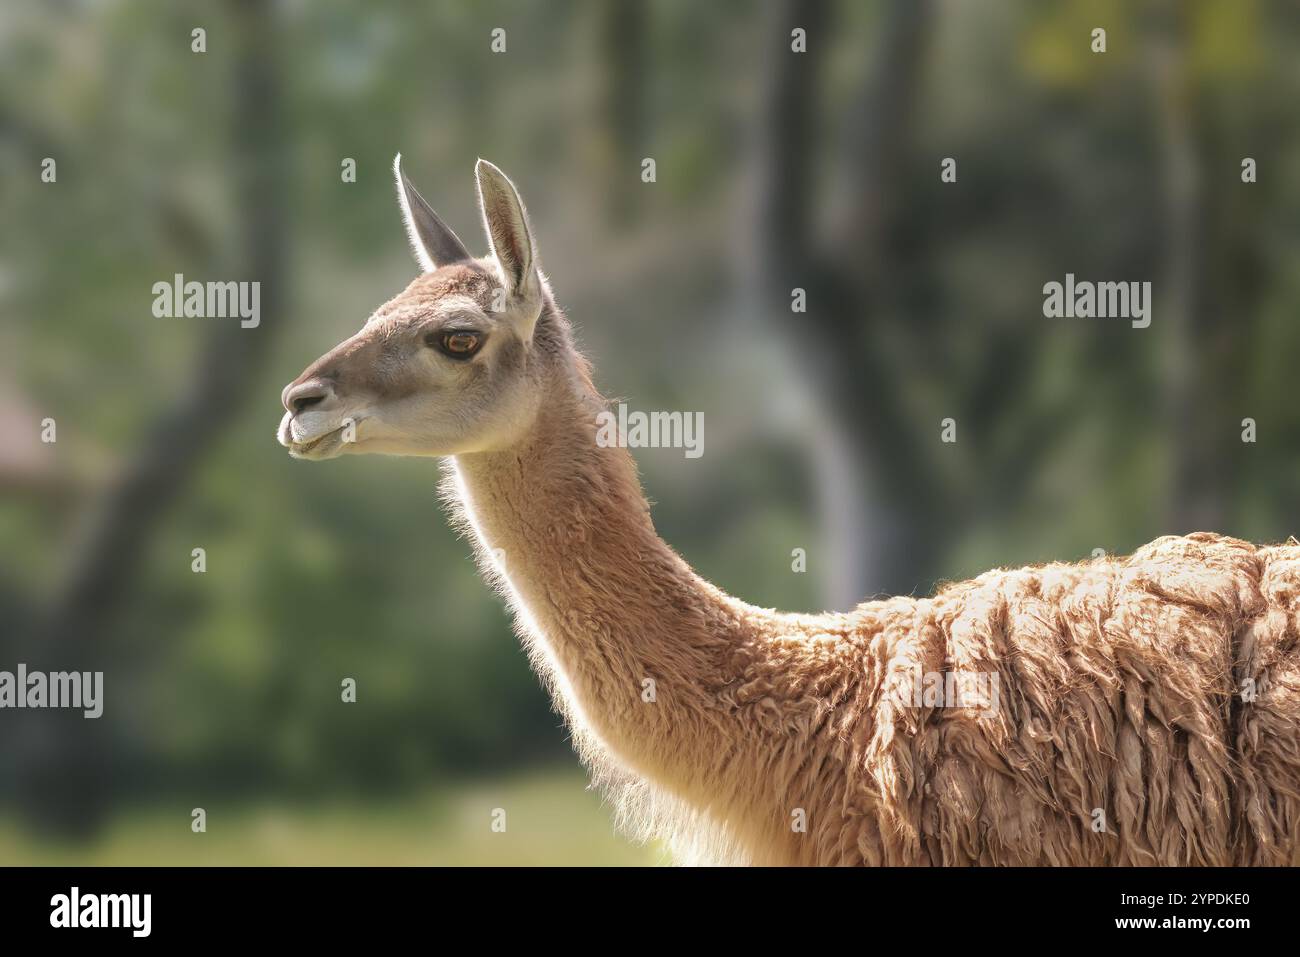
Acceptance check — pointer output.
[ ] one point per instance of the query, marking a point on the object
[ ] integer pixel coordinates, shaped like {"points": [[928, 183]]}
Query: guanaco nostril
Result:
{"points": [[303, 396]]}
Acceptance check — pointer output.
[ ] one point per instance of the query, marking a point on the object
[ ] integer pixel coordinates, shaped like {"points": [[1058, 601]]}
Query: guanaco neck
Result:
{"points": [[634, 645]]}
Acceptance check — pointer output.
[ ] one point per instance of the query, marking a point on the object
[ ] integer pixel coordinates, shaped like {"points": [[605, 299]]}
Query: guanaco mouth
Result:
{"points": [[305, 449]]}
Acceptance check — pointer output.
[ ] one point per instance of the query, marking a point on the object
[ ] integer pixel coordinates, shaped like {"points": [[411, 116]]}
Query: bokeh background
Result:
{"points": [[775, 170]]}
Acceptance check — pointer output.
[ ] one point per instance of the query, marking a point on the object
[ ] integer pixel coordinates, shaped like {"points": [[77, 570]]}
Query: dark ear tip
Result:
{"points": [[488, 172], [401, 175], [440, 244]]}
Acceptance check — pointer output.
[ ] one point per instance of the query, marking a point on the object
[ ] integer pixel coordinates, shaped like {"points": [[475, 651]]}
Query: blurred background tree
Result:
{"points": [[775, 170]]}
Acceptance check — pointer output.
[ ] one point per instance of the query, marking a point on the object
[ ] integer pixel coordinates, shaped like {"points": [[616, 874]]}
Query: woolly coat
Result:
{"points": [[1147, 712]]}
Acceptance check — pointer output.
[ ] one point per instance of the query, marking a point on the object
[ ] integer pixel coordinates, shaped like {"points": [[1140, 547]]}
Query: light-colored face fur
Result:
{"points": [[445, 368]]}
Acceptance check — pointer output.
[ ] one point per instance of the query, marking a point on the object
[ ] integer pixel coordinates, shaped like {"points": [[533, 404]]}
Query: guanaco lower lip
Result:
{"points": [[317, 447]]}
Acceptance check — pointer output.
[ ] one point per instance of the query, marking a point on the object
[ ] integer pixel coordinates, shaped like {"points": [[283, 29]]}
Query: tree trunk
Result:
{"points": [[864, 480], [1191, 503], [623, 25], [65, 780]]}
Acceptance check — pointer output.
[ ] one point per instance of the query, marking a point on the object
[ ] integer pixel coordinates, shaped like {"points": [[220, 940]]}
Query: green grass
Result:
{"points": [[551, 818]]}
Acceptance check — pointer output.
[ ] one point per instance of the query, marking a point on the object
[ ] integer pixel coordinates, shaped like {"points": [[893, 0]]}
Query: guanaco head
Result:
{"points": [[446, 367]]}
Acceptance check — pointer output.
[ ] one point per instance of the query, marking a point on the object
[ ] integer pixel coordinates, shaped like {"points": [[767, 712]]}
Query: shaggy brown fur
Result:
{"points": [[1147, 709], [1121, 687]]}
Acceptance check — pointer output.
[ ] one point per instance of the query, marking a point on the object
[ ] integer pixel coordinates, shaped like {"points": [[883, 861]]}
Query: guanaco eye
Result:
{"points": [[459, 344]]}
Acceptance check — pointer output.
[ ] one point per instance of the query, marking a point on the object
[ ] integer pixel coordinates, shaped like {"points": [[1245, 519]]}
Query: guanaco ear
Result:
{"points": [[506, 223], [432, 240]]}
